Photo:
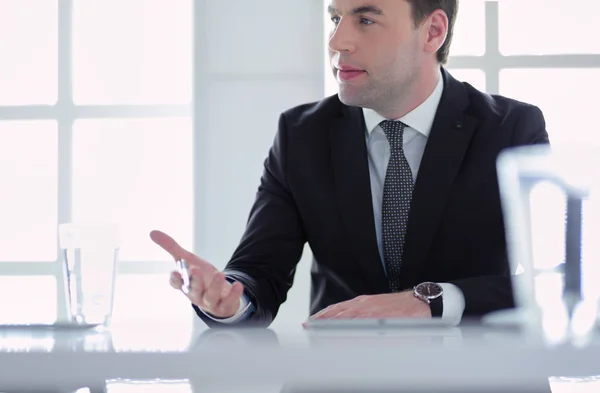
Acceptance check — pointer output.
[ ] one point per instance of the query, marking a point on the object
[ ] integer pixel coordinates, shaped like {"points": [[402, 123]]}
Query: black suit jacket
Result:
{"points": [[315, 188]]}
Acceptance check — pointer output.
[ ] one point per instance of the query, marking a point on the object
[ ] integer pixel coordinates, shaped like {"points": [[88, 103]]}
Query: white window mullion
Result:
{"points": [[492, 47], [551, 61], [26, 268], [201, 108], [129, 111], [65, 132], [29, 112]]}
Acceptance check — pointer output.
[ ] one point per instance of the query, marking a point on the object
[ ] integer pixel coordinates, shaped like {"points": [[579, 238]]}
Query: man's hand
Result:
{"points": [[389, 305], [209, 290]]}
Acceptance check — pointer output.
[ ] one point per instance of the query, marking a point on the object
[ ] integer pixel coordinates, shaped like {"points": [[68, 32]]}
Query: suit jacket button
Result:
{"points": [[458, 125]]}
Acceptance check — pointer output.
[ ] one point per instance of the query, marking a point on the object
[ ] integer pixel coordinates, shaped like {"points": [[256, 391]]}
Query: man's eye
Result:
{"points": [[335, 19], [366, 21]]}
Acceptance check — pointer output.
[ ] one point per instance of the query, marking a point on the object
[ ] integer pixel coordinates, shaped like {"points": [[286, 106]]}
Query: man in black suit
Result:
{"points": [[392, 182]]}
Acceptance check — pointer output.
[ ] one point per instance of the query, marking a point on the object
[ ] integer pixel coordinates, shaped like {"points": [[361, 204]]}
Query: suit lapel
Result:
{"points": [[352, 185], [448, 141]]}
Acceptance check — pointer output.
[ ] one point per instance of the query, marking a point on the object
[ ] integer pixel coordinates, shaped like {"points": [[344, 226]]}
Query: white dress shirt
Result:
{"points": [[418, 126]]}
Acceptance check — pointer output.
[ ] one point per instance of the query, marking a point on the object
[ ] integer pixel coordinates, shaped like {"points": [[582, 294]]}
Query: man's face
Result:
{"points": [[375, 51]]}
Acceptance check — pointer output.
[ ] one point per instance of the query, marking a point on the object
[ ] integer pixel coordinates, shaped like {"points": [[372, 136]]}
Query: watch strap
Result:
{"points": [[437, 307]]}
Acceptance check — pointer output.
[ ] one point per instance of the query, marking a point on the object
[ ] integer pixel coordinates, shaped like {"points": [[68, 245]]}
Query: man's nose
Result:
{"points": [[342, 37]]}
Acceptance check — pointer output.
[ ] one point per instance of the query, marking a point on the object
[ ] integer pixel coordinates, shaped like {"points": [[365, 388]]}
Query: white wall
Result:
{"points": [[254, 59]]}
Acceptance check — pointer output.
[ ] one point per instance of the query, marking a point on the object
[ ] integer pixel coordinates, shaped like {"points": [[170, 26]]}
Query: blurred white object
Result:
{"points": [[90, 254], [550, 204]]}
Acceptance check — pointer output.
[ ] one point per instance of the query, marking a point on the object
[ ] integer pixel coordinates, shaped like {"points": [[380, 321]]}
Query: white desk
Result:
{"points": [[468, 359]]}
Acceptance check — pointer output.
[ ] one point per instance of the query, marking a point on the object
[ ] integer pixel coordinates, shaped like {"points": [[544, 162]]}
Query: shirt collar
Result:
{"points": [[421, 118]]}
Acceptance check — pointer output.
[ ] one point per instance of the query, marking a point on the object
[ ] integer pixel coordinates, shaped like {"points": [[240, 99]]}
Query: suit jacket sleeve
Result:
{"points": [[272, 244], [494, 292]]}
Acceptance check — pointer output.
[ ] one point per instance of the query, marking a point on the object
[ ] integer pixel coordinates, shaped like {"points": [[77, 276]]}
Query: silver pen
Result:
{"points": [[182, 266]]}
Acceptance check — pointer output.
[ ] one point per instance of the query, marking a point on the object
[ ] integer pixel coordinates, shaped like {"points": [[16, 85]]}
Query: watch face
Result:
{"points": [[429, 289]]}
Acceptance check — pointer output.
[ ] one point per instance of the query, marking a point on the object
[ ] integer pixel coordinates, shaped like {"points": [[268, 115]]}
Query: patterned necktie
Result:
{"points": [[397, 195]]}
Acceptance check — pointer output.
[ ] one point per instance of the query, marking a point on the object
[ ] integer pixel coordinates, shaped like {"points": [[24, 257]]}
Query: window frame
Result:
{"points": [[492, 62], [65, 112]]}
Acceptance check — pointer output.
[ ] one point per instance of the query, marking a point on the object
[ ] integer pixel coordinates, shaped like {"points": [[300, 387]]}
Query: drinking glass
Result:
{"points": [[551, 207], [90, 255]]}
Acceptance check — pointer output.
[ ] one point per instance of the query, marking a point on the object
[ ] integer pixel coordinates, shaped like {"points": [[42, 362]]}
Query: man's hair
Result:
{"points": [[421, 9]]}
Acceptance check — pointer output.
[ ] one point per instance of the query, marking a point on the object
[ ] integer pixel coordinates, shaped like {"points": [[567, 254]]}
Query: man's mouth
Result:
{"points": [[349, 73]]}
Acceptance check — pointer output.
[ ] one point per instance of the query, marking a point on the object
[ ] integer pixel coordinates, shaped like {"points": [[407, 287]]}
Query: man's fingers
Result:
{"points": [[175, 280], [212, 295], [197, 285], [319, 314], [328, 312], [201, 278], [338, 311], [169, 244], [222, 299], [348, 313], [337, 308], [209, 289], [230, 303], [200, 272]]}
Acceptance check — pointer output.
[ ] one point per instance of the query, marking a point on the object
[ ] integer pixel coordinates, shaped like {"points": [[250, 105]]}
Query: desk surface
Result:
{"points": [[452, 359]]}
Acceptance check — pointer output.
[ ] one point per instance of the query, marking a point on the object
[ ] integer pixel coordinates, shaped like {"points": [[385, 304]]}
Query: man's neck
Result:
{"points": [[420, 89]]}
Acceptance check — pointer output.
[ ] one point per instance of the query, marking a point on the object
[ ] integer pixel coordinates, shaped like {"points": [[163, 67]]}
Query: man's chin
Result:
{"points": [[351, 98]]}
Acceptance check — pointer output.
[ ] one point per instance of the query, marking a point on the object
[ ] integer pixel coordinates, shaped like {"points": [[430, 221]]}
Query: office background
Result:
{"points": [[159, 114]]}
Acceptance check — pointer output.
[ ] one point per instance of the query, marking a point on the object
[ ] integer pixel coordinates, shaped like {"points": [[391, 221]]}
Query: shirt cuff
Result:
{"points": [[453, 303]]}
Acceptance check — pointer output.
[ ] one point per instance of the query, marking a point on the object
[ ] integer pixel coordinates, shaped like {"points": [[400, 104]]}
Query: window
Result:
{"points": [[557, 69], [95, 125]]}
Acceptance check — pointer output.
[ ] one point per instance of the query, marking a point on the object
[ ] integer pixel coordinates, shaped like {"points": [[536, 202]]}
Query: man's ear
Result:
{"points": [[435, 30]]}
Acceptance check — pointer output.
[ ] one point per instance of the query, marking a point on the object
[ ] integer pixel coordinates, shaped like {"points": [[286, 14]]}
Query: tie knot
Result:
{"points": [[393, 130]]}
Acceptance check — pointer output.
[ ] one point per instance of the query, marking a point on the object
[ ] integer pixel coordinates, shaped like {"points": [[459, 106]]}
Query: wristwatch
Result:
{"points": [[431, 293]]}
